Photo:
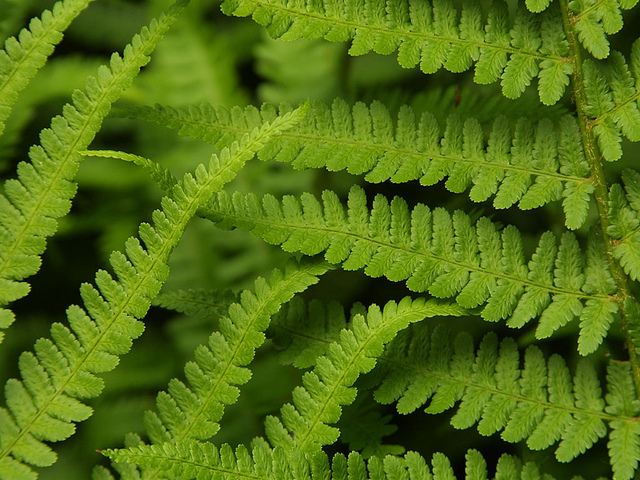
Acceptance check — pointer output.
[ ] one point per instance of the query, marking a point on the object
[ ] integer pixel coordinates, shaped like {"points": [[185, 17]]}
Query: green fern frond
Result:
{"points": [[539, 403], [365, 140], [443, 254], [22, 57], [612, 97], [595, 19], [433, 34], [193, 412], [44, 405], [316, 404], [206, 461], [42, 193]]}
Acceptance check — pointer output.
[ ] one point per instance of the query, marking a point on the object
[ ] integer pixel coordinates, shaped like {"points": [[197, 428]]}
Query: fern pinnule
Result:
{"points": [[22, 57], [434, 35], [44, 404], [305, 423], [440, 253], [539, 403], [612, 109], [204, 460], [31, 204], [366, 140]]}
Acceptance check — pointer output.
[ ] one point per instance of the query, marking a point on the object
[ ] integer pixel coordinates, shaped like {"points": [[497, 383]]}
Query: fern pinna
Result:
{"points": [[508, 298]]}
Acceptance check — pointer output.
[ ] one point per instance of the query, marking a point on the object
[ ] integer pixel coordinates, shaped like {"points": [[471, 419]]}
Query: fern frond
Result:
{"points": [[44, 405], [206, 461], [42, 193], [193, 412], [316, 404], [539, 403], [612, 96], [433, 34], [365, 140], [445, 255], [593, 20], [22, 57]]}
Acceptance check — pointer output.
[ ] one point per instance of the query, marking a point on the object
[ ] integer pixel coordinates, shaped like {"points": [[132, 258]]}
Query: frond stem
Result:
{"points": [[601, 192]]}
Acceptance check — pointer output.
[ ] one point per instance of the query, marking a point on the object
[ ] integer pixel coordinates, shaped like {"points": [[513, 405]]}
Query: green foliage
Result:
{"points": [[337, 310]]}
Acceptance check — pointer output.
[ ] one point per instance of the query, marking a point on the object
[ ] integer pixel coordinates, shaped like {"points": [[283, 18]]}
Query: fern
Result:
{"points": [[44, 404], [540, 403], [445, 255], [363, 139], [43, 191], [22, 57], [198, 460], [432, 35], [538, 100]]}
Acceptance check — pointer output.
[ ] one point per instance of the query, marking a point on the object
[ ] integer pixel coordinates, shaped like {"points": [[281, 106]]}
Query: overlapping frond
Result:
{"points": [[23, 56], [612, 96], [540, 403], [305, 424], [444, 254], [206, 461], [45, 404], [529, 164], [42, 193], [192, 411], [433, 34]]}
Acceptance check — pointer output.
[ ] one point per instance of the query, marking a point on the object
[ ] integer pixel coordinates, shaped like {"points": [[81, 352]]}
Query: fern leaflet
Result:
{"points": [[22, 57], [433, 34], [539, 403], [44, 405], [44, 188], [365, 140], [612, 96], [443, 254], [206, 461]]}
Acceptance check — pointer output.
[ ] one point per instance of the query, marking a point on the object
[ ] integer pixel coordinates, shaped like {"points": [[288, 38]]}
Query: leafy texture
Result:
{"points": [[432, 34], [193, 411], [445, 255], [304, 425], [204, 460], [540, 403], [23, 56], [31, 204], [366, 140], [594, 20], [44, 405], [613, 100]]}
